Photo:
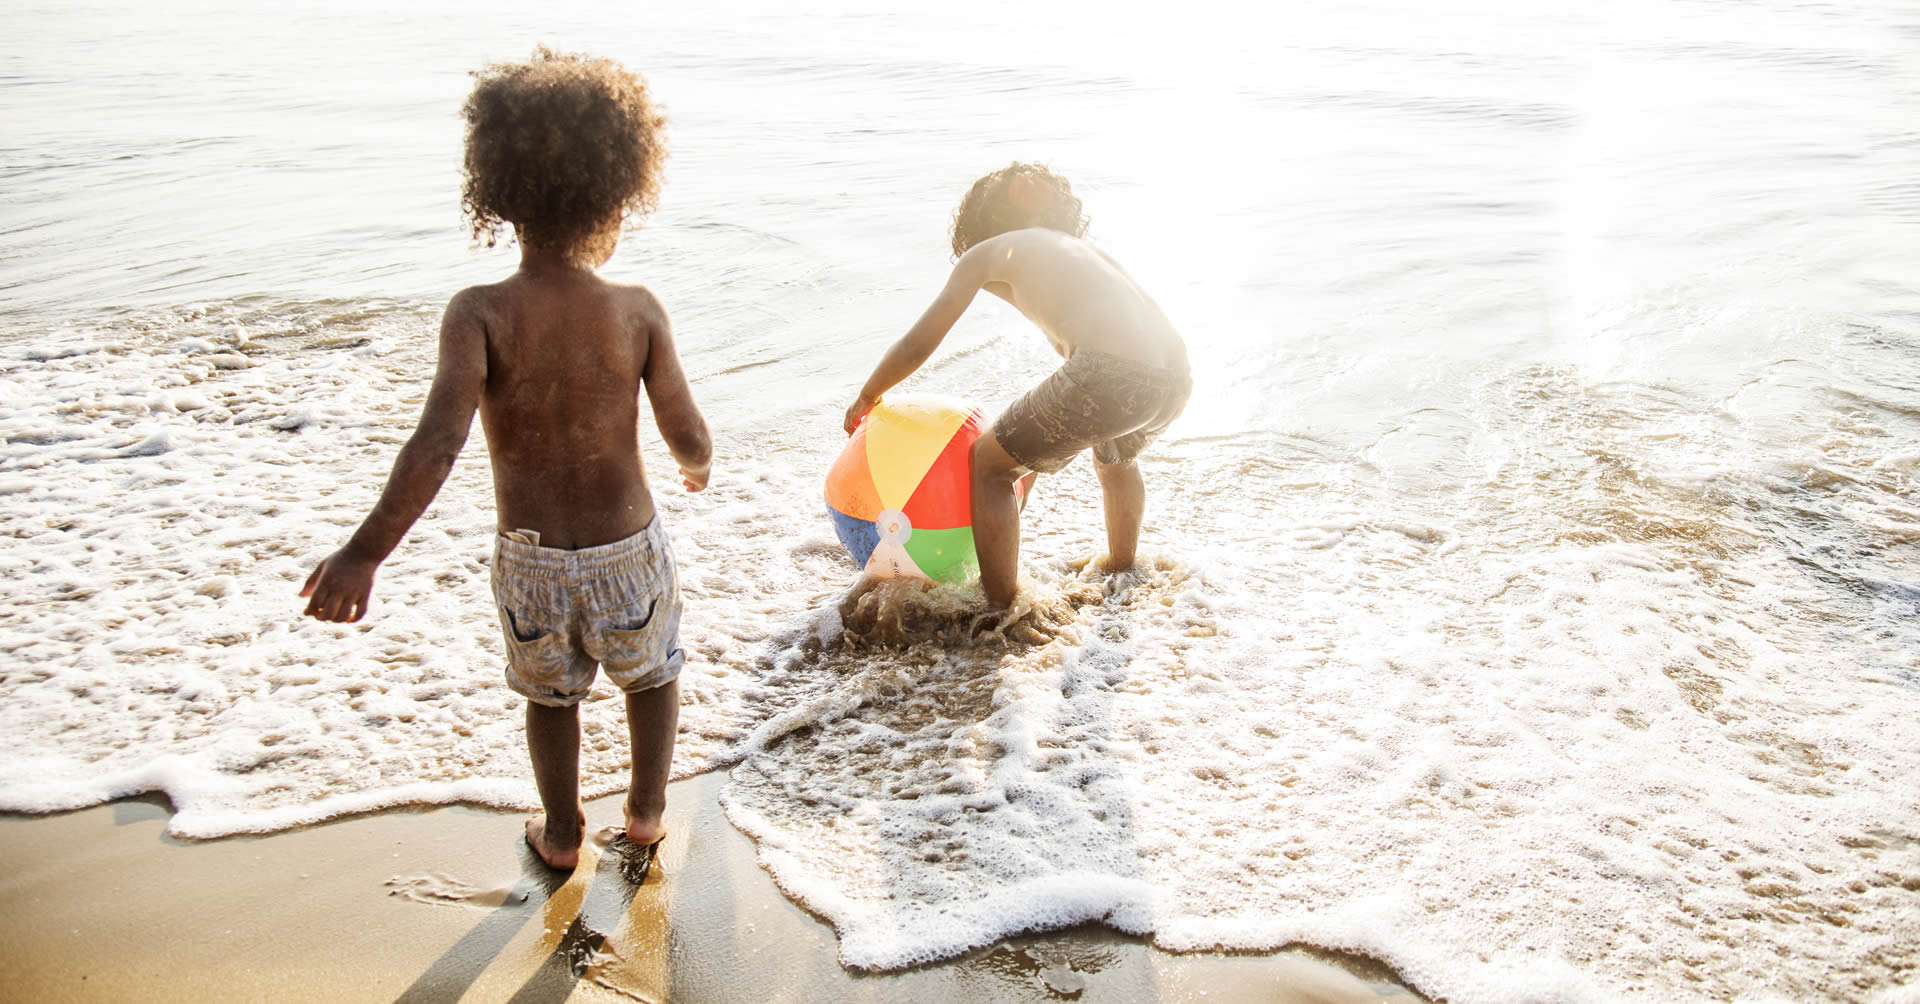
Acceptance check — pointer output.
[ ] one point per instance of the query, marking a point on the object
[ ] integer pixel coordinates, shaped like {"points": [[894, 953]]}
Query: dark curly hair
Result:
{"points": [[1016, 196], [561, 146]]}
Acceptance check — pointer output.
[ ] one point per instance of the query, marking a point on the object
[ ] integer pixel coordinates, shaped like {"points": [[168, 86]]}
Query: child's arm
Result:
{"points": [[339, 587], [913, 348], [674, 411]]}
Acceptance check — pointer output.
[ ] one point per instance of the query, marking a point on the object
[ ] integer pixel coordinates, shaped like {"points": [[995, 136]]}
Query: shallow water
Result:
{"points": [[1529, 598]]}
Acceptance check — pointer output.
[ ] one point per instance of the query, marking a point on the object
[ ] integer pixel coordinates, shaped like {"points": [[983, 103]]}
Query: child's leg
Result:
{"points": [[1125, 495], [553, 741], [653, 720], [996, 520]]}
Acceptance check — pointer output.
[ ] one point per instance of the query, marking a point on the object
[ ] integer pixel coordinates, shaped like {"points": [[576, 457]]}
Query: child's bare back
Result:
{"points": [[565, 351], [1074, 292]]}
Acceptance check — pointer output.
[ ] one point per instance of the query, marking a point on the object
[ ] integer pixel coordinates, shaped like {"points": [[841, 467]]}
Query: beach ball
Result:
{"points": [[900, 493]]}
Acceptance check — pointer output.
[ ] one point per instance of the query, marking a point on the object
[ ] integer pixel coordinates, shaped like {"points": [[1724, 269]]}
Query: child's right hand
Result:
{"points": [[340, 586], [695, 480], [857, 411]]}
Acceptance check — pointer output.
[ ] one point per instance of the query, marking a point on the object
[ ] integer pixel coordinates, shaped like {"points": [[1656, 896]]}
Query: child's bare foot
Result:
{"points": [[1099, 562], [558, 848], [632, 857], [1000, 620], [645, 827], [634, 848]]}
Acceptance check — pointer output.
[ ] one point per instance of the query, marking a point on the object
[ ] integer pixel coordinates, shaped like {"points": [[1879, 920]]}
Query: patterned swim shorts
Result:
{"points": [[615, 606], [1115, 405]]}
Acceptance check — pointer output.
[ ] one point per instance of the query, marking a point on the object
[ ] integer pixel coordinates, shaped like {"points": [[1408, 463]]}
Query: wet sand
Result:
{"points": [[445, 904]]}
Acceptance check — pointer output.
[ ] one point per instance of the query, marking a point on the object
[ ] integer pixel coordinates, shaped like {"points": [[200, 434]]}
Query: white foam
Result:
{"points": [[1593, 766], [1552, 739]]}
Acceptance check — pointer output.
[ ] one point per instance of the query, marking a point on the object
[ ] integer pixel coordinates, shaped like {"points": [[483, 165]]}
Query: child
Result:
{"points": [[1018, 234], [551, 357]]}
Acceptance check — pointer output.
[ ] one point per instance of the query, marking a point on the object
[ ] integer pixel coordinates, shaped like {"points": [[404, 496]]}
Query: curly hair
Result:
{"points": [[561, 146], [1016, 196]]}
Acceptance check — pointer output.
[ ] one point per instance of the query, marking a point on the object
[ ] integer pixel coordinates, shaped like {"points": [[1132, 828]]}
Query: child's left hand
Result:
{"points": [[340, 586]]}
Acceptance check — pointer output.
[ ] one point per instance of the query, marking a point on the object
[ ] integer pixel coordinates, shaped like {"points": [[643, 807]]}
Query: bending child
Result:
{"points": [[1019, 234], [551, 357]]}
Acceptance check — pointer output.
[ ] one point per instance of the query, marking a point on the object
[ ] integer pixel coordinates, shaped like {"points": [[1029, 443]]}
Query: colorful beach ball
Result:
{"points": [[900, 493]]}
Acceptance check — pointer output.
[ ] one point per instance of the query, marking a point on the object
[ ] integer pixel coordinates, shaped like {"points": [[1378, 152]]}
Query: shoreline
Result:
{"points": [[444, 903]]}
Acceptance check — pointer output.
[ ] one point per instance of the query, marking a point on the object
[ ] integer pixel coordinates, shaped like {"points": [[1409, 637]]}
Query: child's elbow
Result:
{"points": [[693, 444]]}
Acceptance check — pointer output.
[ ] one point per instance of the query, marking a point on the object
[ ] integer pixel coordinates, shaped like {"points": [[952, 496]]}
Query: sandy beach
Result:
{"points": [[443, 905]]}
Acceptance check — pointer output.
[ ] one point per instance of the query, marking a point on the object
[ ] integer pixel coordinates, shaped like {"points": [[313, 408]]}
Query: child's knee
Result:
{"points": [[991, 462]]}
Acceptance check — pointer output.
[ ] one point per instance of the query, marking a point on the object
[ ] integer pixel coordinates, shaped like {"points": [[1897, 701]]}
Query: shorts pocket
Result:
{"points": [[629, 646], [644, 622], [540, 662], [523, 629], [644, 645], [545, 659]]}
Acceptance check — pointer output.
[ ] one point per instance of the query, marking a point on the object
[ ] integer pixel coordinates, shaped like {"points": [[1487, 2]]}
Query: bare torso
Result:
{"points": [[566, 355], [1079, 297]]}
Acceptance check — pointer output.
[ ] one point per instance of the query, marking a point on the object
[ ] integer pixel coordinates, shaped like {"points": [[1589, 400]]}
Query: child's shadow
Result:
{"points": [[607, 891]]}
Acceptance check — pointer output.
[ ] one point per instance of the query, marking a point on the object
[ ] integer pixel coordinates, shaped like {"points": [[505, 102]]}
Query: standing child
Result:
{"points": [[1018, 234], [565, 149]]}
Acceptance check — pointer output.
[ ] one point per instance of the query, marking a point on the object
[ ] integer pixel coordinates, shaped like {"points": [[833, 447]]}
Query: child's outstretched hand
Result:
{"points": [[858, 411], [339, 587]]}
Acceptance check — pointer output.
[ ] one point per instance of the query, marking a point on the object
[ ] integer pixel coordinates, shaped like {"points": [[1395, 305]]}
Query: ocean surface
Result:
{"points": [[1531, 592]]}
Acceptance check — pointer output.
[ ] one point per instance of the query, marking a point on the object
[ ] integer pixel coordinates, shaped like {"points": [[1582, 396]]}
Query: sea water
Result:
{"points": [[1528, 596]]}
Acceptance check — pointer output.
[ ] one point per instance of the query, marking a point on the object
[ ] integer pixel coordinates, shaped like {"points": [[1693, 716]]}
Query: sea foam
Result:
{"points": [[1577, 732]]}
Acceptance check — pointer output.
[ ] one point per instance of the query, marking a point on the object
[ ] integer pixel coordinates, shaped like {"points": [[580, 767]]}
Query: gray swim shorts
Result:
{"points": [[1113, 404], [616, 606]]}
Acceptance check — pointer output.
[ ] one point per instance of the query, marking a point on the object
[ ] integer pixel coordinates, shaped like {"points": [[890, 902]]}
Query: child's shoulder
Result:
{"points": [[633, 291], [640, 298], [1030, 240], [1019, 254], [473, 302]]}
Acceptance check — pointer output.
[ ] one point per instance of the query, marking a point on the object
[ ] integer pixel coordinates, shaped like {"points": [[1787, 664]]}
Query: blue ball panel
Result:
{"points": [[858, 536]]}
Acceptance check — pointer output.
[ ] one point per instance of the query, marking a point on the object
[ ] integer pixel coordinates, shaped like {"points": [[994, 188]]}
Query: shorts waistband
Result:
{"points": [[513, 552], [1121, 365]]}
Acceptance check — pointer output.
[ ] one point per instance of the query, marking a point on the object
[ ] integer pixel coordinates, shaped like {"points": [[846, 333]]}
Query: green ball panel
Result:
{"points": [[944, 555]]}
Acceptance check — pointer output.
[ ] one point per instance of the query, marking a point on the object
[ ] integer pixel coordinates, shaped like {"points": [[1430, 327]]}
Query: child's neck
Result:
{"points": [[550, 260], [582, 256]]}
